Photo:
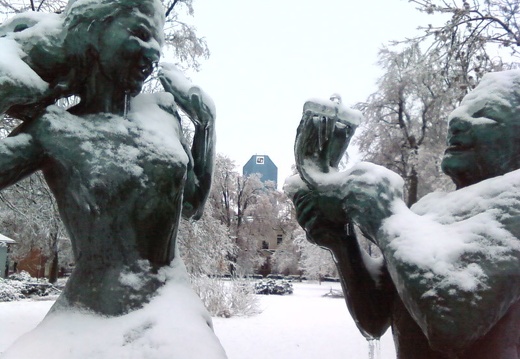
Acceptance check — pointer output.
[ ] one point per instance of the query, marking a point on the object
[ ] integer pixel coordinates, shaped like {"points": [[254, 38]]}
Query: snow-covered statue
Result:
{"points": [[121, 172], [448, 282]]}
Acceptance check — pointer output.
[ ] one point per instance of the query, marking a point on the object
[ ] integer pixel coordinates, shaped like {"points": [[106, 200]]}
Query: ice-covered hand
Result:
{"points": [[322, 137]]}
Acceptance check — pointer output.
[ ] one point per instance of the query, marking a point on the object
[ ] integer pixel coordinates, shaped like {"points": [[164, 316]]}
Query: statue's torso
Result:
{"points": [[118, 182]]}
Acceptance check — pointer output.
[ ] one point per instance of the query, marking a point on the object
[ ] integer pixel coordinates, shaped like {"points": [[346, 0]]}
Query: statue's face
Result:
{"points": [[482, 141], [129, 49]]}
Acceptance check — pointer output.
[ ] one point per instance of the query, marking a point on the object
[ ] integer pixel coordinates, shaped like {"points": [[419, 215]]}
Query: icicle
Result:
{"points": [[374, 348], [127, 105]]}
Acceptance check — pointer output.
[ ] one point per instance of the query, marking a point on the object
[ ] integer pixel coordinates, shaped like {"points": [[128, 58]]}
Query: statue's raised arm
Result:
{"points": [[322, 138], [200, 109]]}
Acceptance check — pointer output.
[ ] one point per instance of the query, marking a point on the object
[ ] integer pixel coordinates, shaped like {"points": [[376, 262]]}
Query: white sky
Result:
{"points": [[268, 57]]}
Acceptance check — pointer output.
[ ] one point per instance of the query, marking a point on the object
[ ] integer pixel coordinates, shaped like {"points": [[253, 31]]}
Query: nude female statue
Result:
{"points": [[460, 297], [117, 162]]}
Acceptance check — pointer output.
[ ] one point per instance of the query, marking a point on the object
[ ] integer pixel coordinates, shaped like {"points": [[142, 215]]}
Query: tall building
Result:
{"points": [[263, 165]]}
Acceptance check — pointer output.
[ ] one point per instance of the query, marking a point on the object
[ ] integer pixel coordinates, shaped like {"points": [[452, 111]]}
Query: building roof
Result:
{"points": [[5, 239]]}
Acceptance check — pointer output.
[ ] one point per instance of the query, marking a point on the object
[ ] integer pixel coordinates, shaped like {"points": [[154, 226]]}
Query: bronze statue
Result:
{"points": [[117, 162], [449, 285]]}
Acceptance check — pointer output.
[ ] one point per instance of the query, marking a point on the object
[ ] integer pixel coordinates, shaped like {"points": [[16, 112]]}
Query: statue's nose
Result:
{"points": [[151, 55], [458, 125]]}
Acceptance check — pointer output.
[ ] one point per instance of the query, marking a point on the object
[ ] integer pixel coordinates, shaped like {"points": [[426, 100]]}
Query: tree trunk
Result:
{"points": [[53, 273], [413, 186]]}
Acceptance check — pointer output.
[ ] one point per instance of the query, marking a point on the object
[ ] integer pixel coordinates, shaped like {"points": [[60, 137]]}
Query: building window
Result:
{"points": [[259, 160], [279, 239], [265, 245]]}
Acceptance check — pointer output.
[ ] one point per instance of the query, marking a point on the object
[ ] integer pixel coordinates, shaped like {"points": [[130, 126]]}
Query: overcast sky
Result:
{"points": [[268, 57]]}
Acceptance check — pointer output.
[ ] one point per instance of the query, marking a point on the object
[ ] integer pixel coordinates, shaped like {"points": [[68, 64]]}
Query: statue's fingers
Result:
{"points": [[305, 215], [300, 196]]}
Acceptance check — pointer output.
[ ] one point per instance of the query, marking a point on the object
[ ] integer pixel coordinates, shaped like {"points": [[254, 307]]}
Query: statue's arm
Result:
{"points": [[456, 280], [369, 295], [19, 158], [198, 183], [200, 109]]}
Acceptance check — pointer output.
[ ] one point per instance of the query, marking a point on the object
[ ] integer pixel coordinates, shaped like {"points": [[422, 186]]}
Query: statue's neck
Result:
{"points": [[100, 94], [102, 103]]}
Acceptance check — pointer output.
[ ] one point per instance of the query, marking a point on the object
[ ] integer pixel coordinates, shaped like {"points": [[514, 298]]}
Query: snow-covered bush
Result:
{"points": [[22, 285], [10, 290], [271, 286], [226, 298], [23, 276]]}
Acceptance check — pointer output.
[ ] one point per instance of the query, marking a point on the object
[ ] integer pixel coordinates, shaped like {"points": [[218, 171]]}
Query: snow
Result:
{"points": [[337, 182], [4, 239], [303, 325], [173, 324], [41, 27], [14, 70]]}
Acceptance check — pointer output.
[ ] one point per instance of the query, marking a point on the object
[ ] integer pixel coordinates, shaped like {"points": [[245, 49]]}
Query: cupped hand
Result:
{"points": [[322, 217]]}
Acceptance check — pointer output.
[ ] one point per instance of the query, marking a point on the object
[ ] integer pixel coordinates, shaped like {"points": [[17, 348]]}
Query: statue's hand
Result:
{"points": [[191, 99], [322, 138], [322, 217]]}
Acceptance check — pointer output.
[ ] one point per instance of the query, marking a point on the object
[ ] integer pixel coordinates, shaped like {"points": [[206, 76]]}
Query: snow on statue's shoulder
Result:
{"points": [[450, 236], [14, 71], [18, 35], [173, 325]]}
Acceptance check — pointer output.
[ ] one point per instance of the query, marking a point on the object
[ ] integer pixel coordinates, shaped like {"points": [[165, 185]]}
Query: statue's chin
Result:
{"points": [[460, 168]]}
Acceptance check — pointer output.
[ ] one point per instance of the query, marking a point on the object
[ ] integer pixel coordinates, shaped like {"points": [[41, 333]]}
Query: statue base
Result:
{"points": [[174, 324]]}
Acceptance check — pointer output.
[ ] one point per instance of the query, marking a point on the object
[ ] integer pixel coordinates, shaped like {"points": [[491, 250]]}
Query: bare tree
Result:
{"points": [[463, 42], [405, 124]]}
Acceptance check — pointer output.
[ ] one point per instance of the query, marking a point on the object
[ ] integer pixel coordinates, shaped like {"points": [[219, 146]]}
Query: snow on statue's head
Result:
{"points": [[484, 131], [86, 22]]}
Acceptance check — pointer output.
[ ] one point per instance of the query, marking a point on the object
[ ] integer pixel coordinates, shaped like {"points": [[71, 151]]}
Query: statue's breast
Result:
{"points": [[111, 155]]}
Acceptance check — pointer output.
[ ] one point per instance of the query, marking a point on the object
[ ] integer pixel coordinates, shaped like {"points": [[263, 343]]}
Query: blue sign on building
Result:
{"points": [[262, 165]]}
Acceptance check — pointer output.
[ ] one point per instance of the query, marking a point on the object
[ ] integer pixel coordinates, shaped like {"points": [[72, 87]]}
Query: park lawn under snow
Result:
{"points": [[303, 325]]}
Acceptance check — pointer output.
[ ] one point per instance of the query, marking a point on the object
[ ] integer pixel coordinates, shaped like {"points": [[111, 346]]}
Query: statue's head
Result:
{"points": [[484, 131], [120, 38]]}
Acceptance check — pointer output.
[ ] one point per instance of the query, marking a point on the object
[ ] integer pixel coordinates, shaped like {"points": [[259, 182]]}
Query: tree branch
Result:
{"points": [[170, 8]]}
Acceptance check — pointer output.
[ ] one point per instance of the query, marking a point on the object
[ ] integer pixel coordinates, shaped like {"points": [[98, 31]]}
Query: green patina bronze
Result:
{"points": [[119, 168], [483, 143]]}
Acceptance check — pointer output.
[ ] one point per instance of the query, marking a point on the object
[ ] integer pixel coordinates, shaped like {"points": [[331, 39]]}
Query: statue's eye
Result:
{"points": [[142, 33]]}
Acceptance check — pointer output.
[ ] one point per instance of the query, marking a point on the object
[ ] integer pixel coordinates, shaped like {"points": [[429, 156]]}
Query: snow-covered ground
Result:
{"points": [[303, 325]]}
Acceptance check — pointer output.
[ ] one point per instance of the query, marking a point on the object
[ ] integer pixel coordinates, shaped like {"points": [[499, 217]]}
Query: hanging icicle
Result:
{"points": [[374, 348]]}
